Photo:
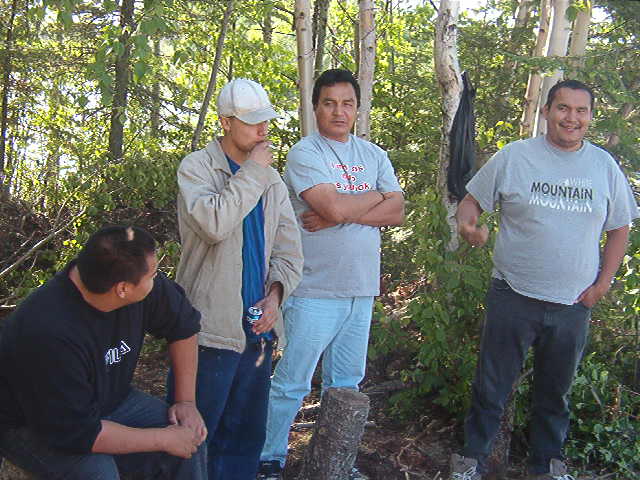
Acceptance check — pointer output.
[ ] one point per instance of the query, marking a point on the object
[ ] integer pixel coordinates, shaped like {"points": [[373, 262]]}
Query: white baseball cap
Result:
{"points": [[245, 100]]}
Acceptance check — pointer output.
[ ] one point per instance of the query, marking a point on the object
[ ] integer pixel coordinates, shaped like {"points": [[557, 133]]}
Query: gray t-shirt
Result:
{"points": [[340, 261], [554, 206]]}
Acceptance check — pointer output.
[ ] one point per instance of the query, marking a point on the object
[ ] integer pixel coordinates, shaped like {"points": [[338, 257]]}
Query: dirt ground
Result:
{"points": [[389, 450]]}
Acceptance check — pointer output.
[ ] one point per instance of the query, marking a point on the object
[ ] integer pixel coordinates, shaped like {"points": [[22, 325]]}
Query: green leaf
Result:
{"points": [[82, 101], [139, 70]]}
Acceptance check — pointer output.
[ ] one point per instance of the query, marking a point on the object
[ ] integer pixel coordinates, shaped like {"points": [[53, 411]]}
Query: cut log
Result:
{"points": [[334, 445]]}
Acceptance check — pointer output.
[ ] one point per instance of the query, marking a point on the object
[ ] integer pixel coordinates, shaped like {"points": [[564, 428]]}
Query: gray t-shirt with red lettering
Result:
{"points": [[340, 261], [554, 206]]}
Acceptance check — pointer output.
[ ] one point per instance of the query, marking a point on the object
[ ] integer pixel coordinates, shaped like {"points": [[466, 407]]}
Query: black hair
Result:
{"points": [[114, 254], [573, 85], [328, 78]]}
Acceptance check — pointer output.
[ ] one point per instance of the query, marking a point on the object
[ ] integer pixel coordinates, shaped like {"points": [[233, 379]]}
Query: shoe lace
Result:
{"points": [[466, 475], [564, 477]]}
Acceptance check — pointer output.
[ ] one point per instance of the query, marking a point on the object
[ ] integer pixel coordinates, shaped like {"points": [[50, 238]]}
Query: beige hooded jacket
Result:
{"points": [[212, 204]]}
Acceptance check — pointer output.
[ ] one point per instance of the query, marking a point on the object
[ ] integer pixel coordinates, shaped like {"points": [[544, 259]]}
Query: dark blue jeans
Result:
{"points": [[232, 392], [558, 334], [27, 450]]}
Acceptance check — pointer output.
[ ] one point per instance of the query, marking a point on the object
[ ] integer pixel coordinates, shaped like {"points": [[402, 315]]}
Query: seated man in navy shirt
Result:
{"points": [[67, 357]]}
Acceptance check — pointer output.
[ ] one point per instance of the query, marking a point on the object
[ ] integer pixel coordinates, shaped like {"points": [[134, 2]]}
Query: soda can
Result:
{"points": [[254, 314]]}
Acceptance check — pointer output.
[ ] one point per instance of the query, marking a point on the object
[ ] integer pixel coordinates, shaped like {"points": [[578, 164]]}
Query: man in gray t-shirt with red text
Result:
{"points": [[556, 195], [342, 189]]}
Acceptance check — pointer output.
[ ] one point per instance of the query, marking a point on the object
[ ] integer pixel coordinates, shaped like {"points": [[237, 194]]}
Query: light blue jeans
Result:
{"points": [[337, 329]]}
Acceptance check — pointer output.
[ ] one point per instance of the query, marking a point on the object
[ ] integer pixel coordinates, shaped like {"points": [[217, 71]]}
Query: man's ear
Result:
{"points": [[545, 111], [226, 123], [121, 289]]}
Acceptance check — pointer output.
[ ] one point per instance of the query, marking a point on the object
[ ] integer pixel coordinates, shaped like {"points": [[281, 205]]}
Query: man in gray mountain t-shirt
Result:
{"points": [[342, 189], [556, 195]]}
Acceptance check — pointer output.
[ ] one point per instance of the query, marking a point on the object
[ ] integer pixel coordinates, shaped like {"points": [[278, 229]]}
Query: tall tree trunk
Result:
{"points": [[625, 112], [121, 84], [519, 28], [267, 25], [532, 96], [320, 18], [580, 36], [212, 78], [558, 43], [6, 86], [450, 80], [302, 17], [366, 67], [155, 96]]}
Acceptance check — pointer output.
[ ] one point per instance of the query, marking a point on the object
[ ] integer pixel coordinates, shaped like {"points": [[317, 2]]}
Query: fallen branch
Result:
{"points": [[35, 248]]}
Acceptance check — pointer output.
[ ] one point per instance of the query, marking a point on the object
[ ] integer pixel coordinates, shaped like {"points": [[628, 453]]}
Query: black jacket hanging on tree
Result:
{"points": [[463, 156]]}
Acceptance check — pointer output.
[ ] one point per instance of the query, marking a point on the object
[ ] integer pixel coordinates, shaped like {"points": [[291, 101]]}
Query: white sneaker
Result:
{"points": [[464, 468], [557, 471]]}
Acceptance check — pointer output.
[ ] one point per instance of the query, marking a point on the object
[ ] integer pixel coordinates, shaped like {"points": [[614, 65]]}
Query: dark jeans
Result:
{"points": [[27, 450], [232, 391], [558, 334]]}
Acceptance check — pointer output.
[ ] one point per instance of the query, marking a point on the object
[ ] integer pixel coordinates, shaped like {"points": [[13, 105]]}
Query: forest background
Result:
{"points": [[101, 100]]}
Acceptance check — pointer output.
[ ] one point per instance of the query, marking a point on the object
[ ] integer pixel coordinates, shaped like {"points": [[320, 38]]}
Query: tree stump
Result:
{"points": [[334, 445]]}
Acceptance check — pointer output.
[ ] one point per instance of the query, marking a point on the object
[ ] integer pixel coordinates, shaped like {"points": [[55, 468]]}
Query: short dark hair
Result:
{"points": [[573, 85], [328, 78], [114, 254]]}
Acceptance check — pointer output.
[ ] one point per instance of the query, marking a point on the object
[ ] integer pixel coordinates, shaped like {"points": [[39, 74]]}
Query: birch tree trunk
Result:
{"points": [[214, 75], [121, 84], [558, 42], [580, 36], [366, 67], [320, 17], [302, 16], [6, 87], [450, 80], [532, 95]]}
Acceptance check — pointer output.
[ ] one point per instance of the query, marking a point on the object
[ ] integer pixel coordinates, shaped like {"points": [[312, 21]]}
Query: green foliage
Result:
{"points": [[439, 328], [605, 431]]}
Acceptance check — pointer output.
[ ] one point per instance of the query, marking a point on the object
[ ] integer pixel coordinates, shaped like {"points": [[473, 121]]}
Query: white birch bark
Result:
{"points": [[535, 78], [306, 56], [558, 43], [580, 36], [450, 80], [367, 40]]}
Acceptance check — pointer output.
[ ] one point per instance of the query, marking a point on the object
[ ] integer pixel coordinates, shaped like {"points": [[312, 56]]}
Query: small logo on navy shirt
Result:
{"points": [[114, 355]]}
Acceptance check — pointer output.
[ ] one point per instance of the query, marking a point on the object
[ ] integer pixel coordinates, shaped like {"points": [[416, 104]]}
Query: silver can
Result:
{"points": [[253, 314]]}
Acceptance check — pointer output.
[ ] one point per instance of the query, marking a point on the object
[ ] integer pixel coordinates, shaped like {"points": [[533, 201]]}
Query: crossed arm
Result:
{"points": [[330, 208]]}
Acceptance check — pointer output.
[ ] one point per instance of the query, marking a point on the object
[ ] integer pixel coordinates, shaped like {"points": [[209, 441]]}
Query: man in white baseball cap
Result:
{"points": [[240, 249], [246, 100]]}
